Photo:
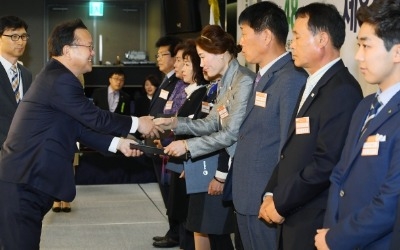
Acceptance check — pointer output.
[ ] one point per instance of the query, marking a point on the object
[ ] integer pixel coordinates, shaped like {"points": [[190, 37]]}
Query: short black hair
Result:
{"points": [[324, 17], [118, 72], [170, 41], [12, 22], [63, 34], [384, 15], [266, 15]]}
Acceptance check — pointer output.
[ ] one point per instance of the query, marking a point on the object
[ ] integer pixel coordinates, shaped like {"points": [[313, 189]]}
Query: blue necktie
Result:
{"points": [[371, 113], [15, 82]]}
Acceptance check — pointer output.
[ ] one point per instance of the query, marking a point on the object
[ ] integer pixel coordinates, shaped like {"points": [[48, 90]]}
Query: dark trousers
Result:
{"points": [[21, 214], [173, 231]]}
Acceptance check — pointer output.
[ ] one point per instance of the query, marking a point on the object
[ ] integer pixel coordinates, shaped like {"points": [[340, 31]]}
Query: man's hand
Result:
{"points": [[320, 239], [147, 127], [124, 147], [269, 213], [175, 148], [166, 123], [215, 187]]}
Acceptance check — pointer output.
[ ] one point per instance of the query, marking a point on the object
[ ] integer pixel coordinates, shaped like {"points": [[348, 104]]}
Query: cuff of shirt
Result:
{"points": [[114, 144], [135, 124], [221, 175], [267, 194]]}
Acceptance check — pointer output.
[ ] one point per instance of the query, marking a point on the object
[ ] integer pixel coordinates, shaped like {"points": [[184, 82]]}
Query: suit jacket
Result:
{"points": [[157, 104], [263, 132], [100, 99], [301, 179], [235, 88], [50, 119], [364, 190], [8, 103]]}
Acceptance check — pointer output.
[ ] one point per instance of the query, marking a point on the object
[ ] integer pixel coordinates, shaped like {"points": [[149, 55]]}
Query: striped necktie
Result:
{"points": [[15, 82], [373, 110]]}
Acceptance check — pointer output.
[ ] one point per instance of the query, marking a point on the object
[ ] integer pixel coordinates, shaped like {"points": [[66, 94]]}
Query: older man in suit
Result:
{"points": [[298, 188], [113, 98], [266, 121], [15, 79], [36, 158], [365, 184]]}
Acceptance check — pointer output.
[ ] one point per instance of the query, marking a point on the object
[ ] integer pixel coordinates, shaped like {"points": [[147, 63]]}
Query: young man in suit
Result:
{"points": [[165, 59], [365, 184], [35, 160], [13, 40], [266, 122], [297, 191], [112, 98]]}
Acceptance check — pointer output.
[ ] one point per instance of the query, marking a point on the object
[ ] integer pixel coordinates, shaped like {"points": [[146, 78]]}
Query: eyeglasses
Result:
{"points": [[91, 47], [161, 55], [16, 37]]}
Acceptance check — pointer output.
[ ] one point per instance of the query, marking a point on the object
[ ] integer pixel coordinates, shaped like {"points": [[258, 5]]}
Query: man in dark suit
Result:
{"points": [[165, 60], [36, 158], [297, 191], [112, 98], [365, 184], [13, 40], [265, 125]]}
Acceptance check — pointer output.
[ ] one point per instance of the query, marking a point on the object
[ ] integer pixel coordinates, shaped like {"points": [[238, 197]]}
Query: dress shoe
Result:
{"points": [[158, 238], [56, 207], [65, 207], [165, 243]]}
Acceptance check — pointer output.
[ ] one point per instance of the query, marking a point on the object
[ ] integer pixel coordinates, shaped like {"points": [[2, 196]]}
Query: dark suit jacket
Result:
{"points": [[301, 179], [51, 118], [8, 103], [100, 99], [142, 106], [157, 104], [263, 132], [364, 190]]}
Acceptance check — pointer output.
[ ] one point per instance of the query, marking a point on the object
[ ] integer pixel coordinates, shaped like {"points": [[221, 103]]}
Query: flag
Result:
{"points": [[214, 12]]}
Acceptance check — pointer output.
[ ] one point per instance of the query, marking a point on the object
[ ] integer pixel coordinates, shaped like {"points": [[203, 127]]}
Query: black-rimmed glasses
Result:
{"points": [[91, 47], [16, 37], [162, 54]]}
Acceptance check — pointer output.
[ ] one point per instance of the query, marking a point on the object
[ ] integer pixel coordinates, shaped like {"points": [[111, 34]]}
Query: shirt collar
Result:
{"points": [[385, 96], [269, 65]]}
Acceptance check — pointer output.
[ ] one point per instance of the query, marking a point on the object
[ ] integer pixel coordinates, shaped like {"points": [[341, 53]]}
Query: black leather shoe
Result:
{"points": [[165, 243], [158, 238]]}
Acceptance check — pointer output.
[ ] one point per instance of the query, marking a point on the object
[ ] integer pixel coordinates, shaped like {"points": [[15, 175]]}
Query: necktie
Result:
{"points": [[258, 77], [15, 82], [371, 113], [114, 101]]}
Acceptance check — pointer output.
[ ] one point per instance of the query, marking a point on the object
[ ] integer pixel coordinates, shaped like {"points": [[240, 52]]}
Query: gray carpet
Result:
{"points": [[108, 217]]}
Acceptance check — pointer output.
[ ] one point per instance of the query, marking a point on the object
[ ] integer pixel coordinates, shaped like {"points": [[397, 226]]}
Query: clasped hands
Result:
{"points": [[146, 127], [268, 211]]}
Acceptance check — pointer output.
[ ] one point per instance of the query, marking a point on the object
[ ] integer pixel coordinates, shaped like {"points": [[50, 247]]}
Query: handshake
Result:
{"points": [[148, 127]]}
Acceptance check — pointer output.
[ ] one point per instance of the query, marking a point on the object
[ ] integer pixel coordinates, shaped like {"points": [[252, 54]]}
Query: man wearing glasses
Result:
{"points": [[15, 79], [36, 157], [112, 98]]}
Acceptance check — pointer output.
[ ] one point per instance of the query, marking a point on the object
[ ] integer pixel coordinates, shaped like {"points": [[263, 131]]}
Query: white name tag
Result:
{"points": [[371, 146], [261, 99], [302, 125], [164, 94]]}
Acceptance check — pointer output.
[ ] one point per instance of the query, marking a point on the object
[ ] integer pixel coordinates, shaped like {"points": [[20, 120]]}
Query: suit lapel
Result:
{"points": [[6, 85], [265, 81], [390, 109]]}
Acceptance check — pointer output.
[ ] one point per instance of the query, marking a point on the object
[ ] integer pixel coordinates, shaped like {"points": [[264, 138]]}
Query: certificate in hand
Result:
{"points": [[148, 149]]}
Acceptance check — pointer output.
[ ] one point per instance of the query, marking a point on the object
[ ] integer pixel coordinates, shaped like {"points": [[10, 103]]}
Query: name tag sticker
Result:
{"points": [[261, 99], [223, 113], [205, 107], [371, 146], [168, 105], [302, 125], [164, 94]]}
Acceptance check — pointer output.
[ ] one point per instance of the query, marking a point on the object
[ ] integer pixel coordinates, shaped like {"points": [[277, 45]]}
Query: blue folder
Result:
{"points": [[199, 172]]}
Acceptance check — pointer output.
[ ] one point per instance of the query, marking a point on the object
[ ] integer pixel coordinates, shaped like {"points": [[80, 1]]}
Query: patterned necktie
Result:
{"points": [[15, 82], [371, 113], [258, 77]]}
